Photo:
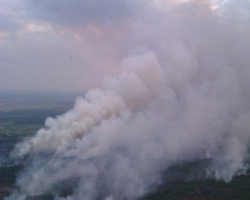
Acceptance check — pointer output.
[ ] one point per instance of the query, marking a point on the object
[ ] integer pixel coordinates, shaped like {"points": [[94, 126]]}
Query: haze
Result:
{"points": [[167, 81]]}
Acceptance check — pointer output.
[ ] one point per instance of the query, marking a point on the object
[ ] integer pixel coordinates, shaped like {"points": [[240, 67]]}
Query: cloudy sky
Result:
{"points": [[71, 45]]}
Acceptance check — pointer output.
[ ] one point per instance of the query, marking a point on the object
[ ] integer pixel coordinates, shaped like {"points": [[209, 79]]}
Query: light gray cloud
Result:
{"points": [[37, 40], [52, 61], [39, 55], [10, 14], [79, 13]]}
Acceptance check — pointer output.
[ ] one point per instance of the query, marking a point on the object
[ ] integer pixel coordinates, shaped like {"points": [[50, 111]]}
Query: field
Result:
{"points": [[22, 117]]}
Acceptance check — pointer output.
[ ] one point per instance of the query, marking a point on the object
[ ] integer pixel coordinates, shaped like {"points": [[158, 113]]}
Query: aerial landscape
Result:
{"points": [[125, 100], [23, 114]]}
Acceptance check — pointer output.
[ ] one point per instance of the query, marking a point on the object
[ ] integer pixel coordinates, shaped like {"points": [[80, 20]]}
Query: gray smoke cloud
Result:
{"points": [[182, 94]]}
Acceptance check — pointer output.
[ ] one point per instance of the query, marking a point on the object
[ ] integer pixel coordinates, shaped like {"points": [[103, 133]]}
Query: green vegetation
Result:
{"points": [[15, 126], [10, 130], [205, 189], [27, 117], [177, 185], [8, 176]]}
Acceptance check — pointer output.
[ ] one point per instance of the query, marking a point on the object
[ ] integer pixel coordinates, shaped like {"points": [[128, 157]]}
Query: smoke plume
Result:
{"points": [[181, 94]]}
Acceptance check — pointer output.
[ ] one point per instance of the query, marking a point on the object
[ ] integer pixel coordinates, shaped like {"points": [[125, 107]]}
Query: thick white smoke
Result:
{"points": [[182, 94], [140, 80]]}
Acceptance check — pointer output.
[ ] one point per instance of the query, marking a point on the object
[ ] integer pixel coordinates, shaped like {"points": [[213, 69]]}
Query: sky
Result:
{"points": [[72, 45]]}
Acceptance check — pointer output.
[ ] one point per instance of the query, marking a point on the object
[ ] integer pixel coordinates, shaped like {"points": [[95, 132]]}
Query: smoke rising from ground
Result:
{"points": [[182, 94]]}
